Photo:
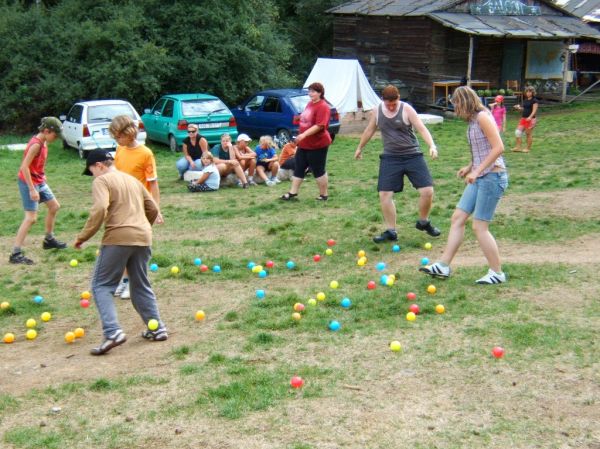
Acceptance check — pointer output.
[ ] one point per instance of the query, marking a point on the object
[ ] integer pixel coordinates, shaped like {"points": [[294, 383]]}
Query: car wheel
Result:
{"points": [[283, 136], [173, 144], [65, 145], [83, 154]]}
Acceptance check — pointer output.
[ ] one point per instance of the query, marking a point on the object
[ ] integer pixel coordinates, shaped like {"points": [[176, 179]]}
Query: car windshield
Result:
{"points": [[190, 108], [106, 112], [300, 102]]}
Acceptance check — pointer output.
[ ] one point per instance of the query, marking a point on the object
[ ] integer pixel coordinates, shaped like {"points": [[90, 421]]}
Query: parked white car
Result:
{"points": [[85, 127]]}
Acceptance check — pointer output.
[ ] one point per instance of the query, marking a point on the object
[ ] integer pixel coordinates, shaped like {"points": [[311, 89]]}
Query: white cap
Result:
{"points": [[244, 137]]}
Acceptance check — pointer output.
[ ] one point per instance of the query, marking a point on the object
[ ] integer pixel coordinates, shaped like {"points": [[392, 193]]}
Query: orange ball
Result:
{"points": [[70, 337], [79, 332], [86, 295]]}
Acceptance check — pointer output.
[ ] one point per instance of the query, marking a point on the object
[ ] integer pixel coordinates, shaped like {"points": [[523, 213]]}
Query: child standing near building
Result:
{"points": [[499, 113], [266, 159], [34, 190], [209, 179]]}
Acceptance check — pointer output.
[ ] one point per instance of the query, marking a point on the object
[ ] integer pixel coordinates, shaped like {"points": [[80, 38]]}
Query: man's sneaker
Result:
{"points": [[121, 287], [436, 270], [19, 258], [492, 278], [428, 228], [117, 339], [392, 236], [52, 243], [125, 294], [157, 335]]}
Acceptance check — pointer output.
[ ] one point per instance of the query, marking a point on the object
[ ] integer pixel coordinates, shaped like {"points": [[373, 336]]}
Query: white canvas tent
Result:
{"points": [[345, 84]]}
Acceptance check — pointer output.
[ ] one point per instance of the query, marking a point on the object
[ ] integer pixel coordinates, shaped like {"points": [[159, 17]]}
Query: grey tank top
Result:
{"points": [[398, 138]]}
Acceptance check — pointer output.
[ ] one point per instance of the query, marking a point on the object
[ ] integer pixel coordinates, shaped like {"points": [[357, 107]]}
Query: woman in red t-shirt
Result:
{"points": [[313, 143]]}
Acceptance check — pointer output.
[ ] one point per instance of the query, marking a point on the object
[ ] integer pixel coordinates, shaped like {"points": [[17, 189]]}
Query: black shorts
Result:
{"points": [[315, 159], [393, 168], [263, 164], [289, 164]]}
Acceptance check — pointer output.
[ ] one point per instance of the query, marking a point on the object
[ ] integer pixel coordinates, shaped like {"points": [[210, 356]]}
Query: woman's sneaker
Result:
{"points": [[436, 269], [123, 285], [116, 339], [492, 278], [157, 335]]}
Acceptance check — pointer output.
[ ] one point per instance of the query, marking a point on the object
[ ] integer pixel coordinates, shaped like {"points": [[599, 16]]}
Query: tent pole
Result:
{"points": [[470, 60]]}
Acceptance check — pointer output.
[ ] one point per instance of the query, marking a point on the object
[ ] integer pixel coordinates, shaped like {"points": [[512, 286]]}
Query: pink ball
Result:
{"points": [[270, 264], [84, 303], [203, 268], [330, 242], [498, 352], [411, 296], [296, 382], [371, 285], [414, 308], [316, 257]]}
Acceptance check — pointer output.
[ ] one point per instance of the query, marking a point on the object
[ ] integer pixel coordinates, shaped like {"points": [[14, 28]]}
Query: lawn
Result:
{"points": [[224, 382]]}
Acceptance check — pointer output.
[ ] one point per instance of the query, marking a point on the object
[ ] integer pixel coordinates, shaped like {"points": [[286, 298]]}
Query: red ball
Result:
{"points": [[414, 308], [270, 264], [316, 257], [411, 296], [296, 382], [498, 352], [84, 303], [203, 268], [330, 242], [371, 285]]}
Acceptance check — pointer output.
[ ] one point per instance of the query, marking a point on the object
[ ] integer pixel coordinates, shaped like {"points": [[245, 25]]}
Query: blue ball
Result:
{"points": [[38, 299], [396, 248], [346, 303], [424, 261], [260, 294], [217, 269], [197, 261], [334, 325], [251, 265], [290, 264], [153, 267], [262, 274], [380, 266], [383, 279]]}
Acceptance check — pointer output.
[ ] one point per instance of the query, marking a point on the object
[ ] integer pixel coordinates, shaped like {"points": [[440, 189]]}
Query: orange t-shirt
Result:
{"points": [[288, 151], [138, 162]]}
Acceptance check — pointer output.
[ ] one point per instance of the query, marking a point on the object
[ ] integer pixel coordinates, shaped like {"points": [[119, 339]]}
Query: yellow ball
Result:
{"points": [[86, 295], [410, 316], [8, 337], [440, 309], [175, 270], [427, 245], [328, 252], [70, 337], [97, 252], [296, 316], [257, 268], [392, 277], [321, 296], [79, 332], [31, 334], [431, 289], [153, 324], [362, 262], [30, 323], [45, 316], [361, 253], [312, 302], [389, 281], [4, 305], [395, 346], [200, 315], [74, 262], [334, 284]]}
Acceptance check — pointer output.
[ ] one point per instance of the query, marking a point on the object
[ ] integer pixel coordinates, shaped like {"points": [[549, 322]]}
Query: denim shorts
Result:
{"points": [[44, 191], [482, 197]]}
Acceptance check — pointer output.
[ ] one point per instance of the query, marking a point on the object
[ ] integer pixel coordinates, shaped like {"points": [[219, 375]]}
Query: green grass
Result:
{"points": [[230, 374]]}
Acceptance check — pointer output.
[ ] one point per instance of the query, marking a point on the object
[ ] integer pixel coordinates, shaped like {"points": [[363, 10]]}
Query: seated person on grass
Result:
{"points": [[287, 160], [226, 162], [266, 159], [209, 179], [246, 157]]}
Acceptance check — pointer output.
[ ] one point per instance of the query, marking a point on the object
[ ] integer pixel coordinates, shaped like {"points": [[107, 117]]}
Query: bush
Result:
{"points": [[481, 92], [487, 93], [501, 92]]}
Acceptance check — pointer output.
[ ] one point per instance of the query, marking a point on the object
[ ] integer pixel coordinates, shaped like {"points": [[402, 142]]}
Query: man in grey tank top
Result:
{"points": [[401, 156]]}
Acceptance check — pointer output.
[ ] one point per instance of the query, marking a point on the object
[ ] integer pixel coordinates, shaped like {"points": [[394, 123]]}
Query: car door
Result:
{"points": [[271, 116], [151, 121], [250, 121], [165, 121], [72, 126]]}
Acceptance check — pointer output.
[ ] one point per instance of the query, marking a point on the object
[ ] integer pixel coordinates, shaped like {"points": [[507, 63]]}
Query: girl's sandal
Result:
{"points": [[288, 196], [322, 198]]}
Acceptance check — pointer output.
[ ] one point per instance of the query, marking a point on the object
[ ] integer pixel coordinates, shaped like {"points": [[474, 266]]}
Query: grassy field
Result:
{"points": [[224, 382]]}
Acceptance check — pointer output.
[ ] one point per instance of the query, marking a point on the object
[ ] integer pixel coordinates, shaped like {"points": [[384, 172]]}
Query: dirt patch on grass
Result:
{"points": [[572, 203]]}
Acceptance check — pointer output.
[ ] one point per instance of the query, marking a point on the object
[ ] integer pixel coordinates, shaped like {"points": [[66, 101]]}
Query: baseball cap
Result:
{"points": [[96, 156], [499, 98], [244, 137], [53, 124]]}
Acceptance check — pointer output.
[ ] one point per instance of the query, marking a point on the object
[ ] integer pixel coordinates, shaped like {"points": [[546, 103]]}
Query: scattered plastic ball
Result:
{"points": [[74, 262], [153, 267], [197, 261], [153, 324], [361, 262], [410, 316], [8, 338], [86, 295], [203, 268], [296, 316], [396, 248], [380, 266], [498, 352], [79, 332], [270, 264], [250, 265], [334, 284], [395, 346], [431, 289], [175, 270], [371, 285], [296, 382], [334, 325], [312, 302], [216, 269], [257, 268], [440, 309], [427, 246], [316, 257], [383, 279], [414, 308], [30, 323], [390, 281], [46, 316], [424, 261], [321, 296], [262, 274], [392, 277], [411, 296], [260, 294], [298, 307], [38, 299], [31, 334], [4, 305], [330, 242], [200, 315], [328, 252], [290, 265], [70, 337], [345, 303], [85, 303], [361, 253]]}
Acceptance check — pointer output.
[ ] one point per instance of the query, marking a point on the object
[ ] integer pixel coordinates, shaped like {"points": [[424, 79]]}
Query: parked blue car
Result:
{"points": [[277, 112], [168, 120]]}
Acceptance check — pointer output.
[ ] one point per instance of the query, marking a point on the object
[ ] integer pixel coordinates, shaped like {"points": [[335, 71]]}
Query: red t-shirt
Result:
{"points": [[315, 114], [38, 164]]}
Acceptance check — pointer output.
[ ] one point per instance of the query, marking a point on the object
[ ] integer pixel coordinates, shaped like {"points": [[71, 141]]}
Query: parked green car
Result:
{"points": [[168, 120]]}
